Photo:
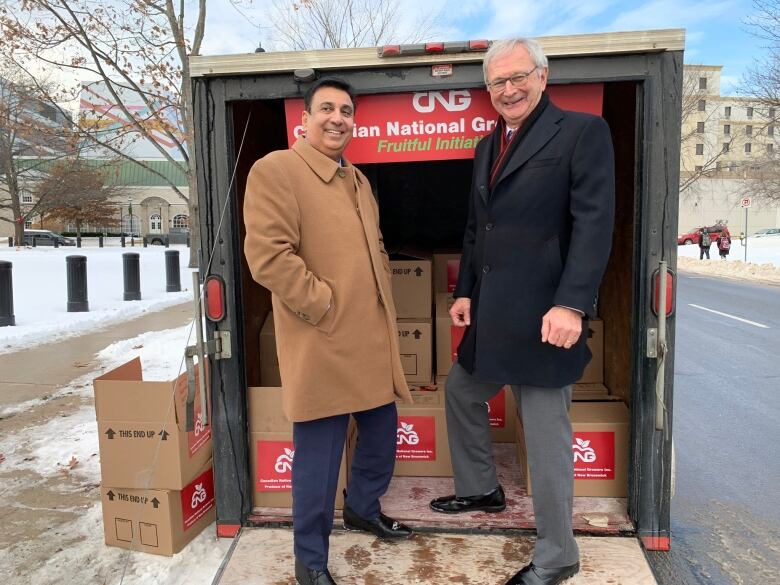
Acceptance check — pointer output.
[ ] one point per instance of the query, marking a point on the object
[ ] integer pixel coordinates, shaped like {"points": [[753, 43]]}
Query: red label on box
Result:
{"points": [[594, 455], [197, 499], [416, 438], [456, 336], [274, 466], [200, 436], [497, 409], [453, 269]]}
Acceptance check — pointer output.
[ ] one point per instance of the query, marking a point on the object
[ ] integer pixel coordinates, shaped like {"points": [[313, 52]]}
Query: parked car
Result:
{"points": [[692, 235], [767, 232], [175, 236], [46, 238]]}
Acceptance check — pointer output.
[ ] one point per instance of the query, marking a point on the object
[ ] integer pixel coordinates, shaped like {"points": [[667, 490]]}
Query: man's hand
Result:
{"points": [[460, 312], [561, 327]]}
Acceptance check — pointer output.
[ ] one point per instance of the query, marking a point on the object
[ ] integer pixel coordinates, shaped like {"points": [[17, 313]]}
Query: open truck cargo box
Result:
{"points": [[246, 106]]}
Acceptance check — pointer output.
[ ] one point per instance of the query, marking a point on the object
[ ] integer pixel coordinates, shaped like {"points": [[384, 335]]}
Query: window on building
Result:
{"points": [[702, 105], [155, 223], [698, 168], [727, 128], [27, 224], [700, 149], [26, 198], [748, 147], [727, 111], [130, 224], [749, 130], [700, 127], [181, 221], [770, 148], [733, 166], [725, 147], [770, 130], [750, 112], [702, 83]]}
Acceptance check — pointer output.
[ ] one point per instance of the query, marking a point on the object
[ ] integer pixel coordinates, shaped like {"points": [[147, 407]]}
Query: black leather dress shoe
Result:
{"points": [[492, 502], [306, 576], [533, 575], [383, 527]]}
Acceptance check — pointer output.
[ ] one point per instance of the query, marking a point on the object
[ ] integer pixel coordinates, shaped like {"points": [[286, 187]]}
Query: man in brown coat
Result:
{"points": [[313, 239]]}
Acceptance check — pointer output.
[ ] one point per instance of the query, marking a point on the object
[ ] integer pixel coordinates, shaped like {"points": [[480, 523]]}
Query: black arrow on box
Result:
{"points": [[156, 503], [418, 271], [110, 433], [110, 495], [164, 434], [417, 334]]}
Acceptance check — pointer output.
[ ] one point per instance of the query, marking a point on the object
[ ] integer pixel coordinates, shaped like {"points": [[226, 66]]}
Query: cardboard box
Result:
{"points": [[445, 272], [415, 344], [594, 371], [141, 430], [448, 337], [412, 283], [592, 393], [157, 521], [599, 449], [269, 361], [421, 446], [272, 451]]}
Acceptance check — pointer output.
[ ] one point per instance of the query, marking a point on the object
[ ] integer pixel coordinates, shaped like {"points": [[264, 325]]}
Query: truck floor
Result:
{"points": [[263, 556]]}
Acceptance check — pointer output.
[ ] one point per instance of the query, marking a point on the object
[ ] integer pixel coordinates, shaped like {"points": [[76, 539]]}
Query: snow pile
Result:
{"points": [[763, 263], [41, 294]]}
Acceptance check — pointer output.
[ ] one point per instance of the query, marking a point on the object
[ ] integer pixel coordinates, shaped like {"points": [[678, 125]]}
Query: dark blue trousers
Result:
{"points": [[315, 473]]}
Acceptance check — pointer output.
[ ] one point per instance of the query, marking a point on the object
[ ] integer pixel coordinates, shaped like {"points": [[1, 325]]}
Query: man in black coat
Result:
{"points": [[536, 247]]}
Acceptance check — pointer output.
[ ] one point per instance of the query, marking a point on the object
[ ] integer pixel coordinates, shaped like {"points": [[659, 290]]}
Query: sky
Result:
{"points": [[716, 33]]}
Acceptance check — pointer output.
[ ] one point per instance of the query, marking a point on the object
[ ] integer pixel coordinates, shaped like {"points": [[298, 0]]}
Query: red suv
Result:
{"points": [[692, 235]]}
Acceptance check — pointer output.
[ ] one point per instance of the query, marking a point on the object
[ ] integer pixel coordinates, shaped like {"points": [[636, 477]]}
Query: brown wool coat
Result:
{"points": [[313, 239]]}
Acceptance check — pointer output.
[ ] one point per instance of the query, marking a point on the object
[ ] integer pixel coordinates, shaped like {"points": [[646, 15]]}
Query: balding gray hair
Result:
{"points": [[505, 46]]}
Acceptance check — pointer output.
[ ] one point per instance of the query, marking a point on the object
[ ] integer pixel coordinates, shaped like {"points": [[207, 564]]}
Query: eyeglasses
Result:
{"points": [[517, 81]]}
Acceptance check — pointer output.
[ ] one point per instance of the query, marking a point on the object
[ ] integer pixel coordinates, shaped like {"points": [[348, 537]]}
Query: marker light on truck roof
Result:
{"points": [[214, 290], [433, 48]]}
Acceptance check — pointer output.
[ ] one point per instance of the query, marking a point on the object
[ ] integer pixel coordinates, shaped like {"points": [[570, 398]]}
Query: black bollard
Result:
{"points": [[167, 240], [123, 240], [10, 241], [188, 240], [78, 241], [132, 274], [6, 294], [145, 243], [172, 275], [56, 243], [77, 284], [34, 242], [100, 240]]}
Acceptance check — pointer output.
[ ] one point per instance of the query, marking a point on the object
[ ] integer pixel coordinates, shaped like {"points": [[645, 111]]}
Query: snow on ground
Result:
{"points": [[87, 559], [763, 265], [41, 294]]}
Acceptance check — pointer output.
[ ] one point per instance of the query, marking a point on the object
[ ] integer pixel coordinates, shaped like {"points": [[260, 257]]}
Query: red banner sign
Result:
{"points": [[432, 125], [416, 438], [497, 409], [594, 455]]}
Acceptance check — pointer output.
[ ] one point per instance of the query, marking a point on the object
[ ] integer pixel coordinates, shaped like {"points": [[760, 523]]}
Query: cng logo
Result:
{"points": [[198, 497], [284, 461], [583, 451], [406, 435], [457, 101]]}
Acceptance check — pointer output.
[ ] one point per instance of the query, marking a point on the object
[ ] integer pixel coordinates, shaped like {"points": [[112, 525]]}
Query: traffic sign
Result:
{"points": [[745, 203]]}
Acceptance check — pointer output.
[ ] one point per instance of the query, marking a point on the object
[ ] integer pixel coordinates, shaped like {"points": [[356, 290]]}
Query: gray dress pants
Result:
{"points": [[548, 439]]}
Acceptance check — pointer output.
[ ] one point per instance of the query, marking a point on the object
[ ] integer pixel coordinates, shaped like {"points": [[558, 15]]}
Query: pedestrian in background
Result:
{"points": [[705, 241], [723, 244]]}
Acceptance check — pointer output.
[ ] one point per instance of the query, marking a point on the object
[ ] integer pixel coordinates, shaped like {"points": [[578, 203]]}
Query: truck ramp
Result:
{"points": [[263, 556]]}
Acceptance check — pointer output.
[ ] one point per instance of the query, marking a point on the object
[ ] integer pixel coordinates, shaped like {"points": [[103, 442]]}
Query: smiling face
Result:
{"points": [[514, 104], [329, 124]]}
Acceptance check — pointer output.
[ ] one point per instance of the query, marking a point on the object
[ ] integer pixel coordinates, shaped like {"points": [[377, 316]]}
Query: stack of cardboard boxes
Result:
{"points": [[157, 486]]}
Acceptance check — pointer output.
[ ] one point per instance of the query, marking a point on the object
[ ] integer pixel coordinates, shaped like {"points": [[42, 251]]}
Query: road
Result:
{"points": [[726, 508]]}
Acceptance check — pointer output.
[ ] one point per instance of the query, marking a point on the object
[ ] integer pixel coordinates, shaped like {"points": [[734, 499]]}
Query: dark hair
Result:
{"points": [[334, 82]]}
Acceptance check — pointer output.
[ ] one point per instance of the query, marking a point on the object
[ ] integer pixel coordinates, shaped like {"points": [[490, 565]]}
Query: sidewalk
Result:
{"points": [[35, 372]]}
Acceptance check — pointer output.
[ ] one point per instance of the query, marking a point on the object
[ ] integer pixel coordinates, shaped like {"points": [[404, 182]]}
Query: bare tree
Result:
{"points": [[31, 137], [328, 24], [78, 192], [762, 83], [139, 50]]}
